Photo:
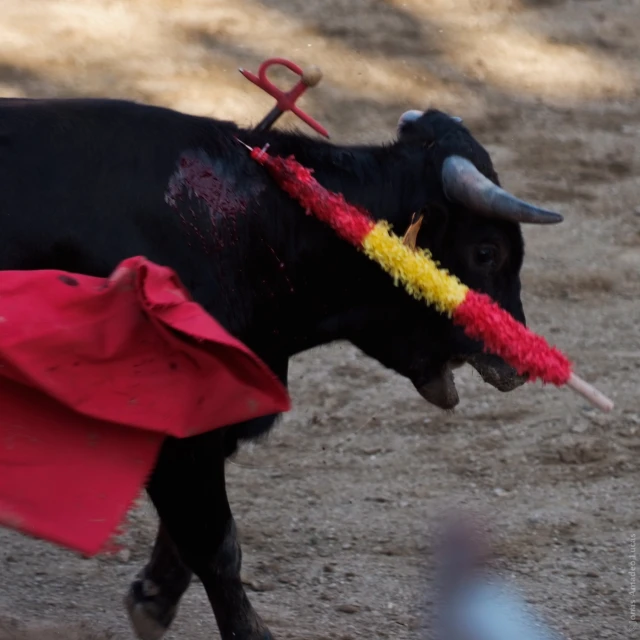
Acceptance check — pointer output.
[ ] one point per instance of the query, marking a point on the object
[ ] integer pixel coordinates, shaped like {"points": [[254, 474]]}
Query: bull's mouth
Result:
{"points": [[441, 390]]}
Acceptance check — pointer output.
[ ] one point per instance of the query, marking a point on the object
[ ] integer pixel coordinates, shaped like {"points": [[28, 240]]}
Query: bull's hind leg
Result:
{"points": [[188, 489], [153, 598]]}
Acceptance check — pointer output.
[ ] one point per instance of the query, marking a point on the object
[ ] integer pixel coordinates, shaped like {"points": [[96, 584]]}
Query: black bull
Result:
{"points": [[85, 184]]}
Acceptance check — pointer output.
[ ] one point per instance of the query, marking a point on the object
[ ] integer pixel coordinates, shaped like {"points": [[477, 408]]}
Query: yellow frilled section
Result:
{"points": [[415, 269]]}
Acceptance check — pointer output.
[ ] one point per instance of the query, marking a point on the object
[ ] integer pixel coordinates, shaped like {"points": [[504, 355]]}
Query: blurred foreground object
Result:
{"points": [[473, 602]]}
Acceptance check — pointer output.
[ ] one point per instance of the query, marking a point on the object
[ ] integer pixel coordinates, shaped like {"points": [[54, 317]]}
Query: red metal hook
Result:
{"points": [[286, 100]]}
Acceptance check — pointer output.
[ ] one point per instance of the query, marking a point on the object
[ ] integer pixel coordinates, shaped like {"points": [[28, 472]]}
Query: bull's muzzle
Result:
{"points": [[441, 391], [496, 372]]}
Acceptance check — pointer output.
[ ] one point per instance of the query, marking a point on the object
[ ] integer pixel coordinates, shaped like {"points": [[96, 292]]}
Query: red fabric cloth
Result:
{"points": [[94, 373]]}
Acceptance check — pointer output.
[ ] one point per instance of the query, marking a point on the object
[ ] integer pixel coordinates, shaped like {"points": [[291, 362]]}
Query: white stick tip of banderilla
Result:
{"points": [[595, 397]]}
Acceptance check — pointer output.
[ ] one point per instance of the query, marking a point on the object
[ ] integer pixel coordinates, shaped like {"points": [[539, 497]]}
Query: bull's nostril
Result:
{"points": [[496, 372]]}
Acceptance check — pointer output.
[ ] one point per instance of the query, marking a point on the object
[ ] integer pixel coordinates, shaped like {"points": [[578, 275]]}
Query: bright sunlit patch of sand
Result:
{"points": [[505, 51], [187, 55]]}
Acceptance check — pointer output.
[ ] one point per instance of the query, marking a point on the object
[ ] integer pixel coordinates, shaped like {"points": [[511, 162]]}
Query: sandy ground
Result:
{"points": [[335, 510]]}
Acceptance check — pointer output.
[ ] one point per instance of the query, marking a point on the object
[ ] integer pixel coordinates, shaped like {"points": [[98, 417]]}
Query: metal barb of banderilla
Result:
{"points": [[286, 100]]}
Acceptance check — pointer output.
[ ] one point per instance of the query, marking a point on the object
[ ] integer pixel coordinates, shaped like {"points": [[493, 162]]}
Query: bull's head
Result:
{"points": [[471, 226]]}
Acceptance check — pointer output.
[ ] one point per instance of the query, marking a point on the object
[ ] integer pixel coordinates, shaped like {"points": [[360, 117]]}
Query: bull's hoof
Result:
{"points": [[150, 613]]}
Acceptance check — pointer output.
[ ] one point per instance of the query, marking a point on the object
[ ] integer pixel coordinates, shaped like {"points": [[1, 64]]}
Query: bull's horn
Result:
{"points": [[413, 114], [409, 116], [464, 184]]}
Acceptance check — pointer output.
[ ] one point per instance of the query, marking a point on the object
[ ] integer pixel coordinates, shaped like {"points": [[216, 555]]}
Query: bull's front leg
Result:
{"points": [[153, 598], [197, 534]]}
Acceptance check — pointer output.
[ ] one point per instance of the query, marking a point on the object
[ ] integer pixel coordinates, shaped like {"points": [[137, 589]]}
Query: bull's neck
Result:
{"points": [[308, 281], [383, 179]]}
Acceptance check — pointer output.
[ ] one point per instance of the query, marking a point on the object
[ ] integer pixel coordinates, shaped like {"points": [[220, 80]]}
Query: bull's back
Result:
{"points": [[82, 182]]}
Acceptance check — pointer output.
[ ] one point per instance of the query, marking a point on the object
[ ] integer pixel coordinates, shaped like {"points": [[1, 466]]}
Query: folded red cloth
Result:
{"points": [[94, 374]]}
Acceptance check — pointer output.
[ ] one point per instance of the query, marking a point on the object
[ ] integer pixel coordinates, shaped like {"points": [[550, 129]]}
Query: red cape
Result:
{"points": [[94, 374]]}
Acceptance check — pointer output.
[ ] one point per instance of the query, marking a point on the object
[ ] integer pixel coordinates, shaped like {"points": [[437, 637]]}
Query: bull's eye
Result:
{"points": [[486, 257]]}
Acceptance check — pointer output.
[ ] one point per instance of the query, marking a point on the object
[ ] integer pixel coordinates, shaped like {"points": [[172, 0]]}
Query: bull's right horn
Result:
{"points": [[464, 184]]}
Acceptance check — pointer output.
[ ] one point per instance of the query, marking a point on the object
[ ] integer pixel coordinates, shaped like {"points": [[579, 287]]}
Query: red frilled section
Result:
{"points": [[349, 222], [502, 335]]}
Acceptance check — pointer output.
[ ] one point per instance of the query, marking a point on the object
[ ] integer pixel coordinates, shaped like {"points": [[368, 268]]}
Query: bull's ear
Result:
{"points": [[411, 236]]}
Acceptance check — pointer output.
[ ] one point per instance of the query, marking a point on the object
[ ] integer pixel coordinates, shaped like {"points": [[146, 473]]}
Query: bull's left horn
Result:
{"points": [[464, 184]]}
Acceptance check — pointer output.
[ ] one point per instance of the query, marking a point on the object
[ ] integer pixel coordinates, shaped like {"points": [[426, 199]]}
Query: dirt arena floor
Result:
{"points": [[335, 510]]}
